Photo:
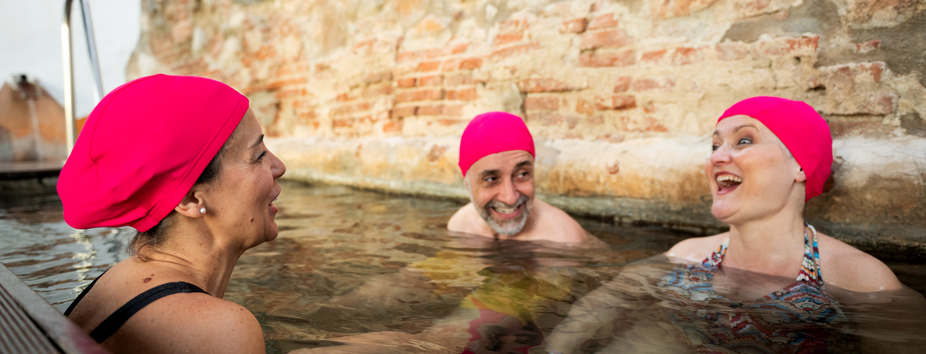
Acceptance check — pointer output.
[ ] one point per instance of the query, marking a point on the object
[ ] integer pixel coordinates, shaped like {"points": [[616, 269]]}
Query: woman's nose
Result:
{"points": [[277, 168], [721, 155]]}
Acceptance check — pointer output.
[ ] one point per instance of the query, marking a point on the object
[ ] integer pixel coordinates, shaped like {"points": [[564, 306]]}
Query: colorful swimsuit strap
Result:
{"points": [[810, 266]]}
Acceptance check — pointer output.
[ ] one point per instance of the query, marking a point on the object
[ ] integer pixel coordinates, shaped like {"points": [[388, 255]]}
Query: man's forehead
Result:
{"points": [[504, 160]]}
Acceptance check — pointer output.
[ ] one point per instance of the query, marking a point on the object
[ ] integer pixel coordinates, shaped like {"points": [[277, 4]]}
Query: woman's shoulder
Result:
{"points": [[198, 322], [695, 249], [849, 268]]}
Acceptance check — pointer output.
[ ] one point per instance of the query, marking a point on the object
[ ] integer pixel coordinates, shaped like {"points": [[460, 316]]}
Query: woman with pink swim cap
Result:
{"points": [[182, 161], [760, 286]]}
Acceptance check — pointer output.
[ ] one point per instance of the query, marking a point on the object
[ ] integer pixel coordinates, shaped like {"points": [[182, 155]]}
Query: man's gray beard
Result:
{"points": [[510, 227]]}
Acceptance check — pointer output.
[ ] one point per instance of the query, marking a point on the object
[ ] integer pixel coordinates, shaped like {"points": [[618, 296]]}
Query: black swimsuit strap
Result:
{"points": [[82, 293], [112, 323]]}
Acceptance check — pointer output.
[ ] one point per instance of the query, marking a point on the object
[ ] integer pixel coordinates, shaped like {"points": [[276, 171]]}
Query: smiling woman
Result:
{"points": [[199, 190], [759, 287]]}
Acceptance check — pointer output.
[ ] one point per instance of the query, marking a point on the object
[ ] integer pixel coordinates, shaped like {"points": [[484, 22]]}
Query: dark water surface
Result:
{"points": [[381, 271]]}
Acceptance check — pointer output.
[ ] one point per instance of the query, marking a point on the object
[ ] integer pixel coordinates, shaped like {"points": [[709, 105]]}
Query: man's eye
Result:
{"points": [[745, 141], [490, 179], [262, 154], [523, 174], [715, 147]]}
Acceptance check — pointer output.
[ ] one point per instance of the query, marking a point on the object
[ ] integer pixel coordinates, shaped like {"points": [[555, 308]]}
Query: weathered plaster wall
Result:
{"points": [[620, 95]]}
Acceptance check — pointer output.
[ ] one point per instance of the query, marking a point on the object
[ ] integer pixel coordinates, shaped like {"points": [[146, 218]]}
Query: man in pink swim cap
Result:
{"points": [[497, 161]]}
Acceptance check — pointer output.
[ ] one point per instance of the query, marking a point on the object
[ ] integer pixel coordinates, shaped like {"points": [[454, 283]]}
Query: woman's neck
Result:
{"points": [[195, 253], [772, 245]]}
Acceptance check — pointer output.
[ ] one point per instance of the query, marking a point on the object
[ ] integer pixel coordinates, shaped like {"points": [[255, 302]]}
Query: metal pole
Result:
{"points": [[68, 75], [91, 49], [68, 54]]}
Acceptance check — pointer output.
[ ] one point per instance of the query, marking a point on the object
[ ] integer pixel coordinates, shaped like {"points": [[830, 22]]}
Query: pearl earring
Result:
{"points": [[202, 211]]}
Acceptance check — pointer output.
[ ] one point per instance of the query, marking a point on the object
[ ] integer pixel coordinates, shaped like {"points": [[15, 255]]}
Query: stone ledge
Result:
{"points": [[879, 194]]}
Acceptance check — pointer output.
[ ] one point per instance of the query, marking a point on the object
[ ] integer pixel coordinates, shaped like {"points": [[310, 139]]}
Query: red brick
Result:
{"points": [[451, 64], [342, 123], [420, 95], [866, 47], [349, 109], [405, 82], [607, 59], [429, 110], [454, 110], [652, 125], [407, 56], [392, 127], [376, 91], [471, 63], [402, 111], [541, 103], [623, 84], [548, 119], [793, 46], [584, 107], [449, 122], [616, 102], [880, 103], [276, 84], [688, 55], [428, 66], [458, 79], [653, 57], [603, 21], [344, 97], [731, 51], [543, 85], [433, 80], [508, 38], [515, 50], [378, 77], [466, 94], [648, 84], [512, 26], [573, 26], [608, 38]]}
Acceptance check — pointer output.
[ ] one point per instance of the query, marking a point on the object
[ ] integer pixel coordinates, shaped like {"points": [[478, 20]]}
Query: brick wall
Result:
{"points": [[637, 78]]}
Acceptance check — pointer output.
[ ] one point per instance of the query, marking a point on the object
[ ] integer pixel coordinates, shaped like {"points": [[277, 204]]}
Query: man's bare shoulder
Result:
{"points": [[695, 249], [465, 220], [562, 227], [849, 268]]}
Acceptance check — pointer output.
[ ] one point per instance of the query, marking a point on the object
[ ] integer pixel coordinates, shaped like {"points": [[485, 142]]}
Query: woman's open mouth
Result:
{"points": [[727, 182]]}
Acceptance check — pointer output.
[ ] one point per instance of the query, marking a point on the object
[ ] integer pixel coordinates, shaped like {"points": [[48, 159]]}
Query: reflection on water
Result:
{"points": [[356, 271]]}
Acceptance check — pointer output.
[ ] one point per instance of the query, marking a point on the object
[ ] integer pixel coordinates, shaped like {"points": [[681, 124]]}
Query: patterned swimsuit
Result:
{"points": [[799, 318]]}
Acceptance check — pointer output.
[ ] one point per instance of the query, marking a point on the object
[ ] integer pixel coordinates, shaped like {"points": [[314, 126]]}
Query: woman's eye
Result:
{"points": [[715, 147], [744, 141], [262, 154]]}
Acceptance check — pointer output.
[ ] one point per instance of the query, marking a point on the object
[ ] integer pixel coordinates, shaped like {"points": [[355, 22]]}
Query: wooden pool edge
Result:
{"points": [[56, 328]]}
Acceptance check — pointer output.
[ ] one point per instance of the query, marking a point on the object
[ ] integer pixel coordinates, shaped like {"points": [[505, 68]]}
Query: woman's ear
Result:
{"points": [[192, 204], [800, 176]]}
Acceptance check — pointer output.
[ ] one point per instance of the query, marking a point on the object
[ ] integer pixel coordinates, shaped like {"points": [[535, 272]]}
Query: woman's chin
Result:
{"points": [[722, 211]]}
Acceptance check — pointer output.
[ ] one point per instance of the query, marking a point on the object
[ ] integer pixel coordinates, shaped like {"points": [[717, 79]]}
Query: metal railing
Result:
{"points": [[67, 48]]}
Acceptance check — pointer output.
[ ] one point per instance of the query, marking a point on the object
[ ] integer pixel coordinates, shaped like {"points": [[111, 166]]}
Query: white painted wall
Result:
{"points": [[30, 43]]}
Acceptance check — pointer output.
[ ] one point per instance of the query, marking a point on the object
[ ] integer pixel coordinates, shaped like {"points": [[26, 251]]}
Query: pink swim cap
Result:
{"points": [[800, 128], [143, 147], [491, 133]]}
